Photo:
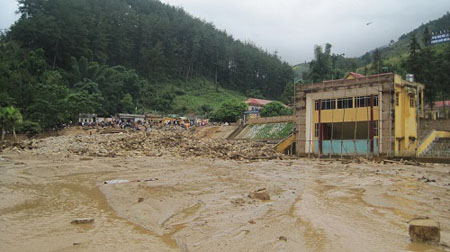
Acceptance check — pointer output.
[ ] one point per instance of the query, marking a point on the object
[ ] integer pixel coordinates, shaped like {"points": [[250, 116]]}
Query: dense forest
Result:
{"points": [[63, 57]]}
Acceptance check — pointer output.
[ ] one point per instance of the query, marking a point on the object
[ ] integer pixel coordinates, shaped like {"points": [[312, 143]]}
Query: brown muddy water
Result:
{"points": [[202, 204]]}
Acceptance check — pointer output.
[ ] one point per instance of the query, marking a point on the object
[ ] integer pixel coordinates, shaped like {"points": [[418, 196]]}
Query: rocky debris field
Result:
{"points": [[154, 143]]}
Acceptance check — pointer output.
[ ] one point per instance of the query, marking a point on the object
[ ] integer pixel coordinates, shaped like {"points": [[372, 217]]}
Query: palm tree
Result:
{"points": [[10, 118]]}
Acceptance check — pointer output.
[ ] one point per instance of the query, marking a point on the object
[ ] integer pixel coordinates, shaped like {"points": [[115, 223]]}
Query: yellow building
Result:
{"points": [[359, 115]]}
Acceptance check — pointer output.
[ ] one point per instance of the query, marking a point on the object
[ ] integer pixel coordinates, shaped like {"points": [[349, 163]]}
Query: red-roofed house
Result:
{"points": [[353, 75], [441, 109], [256, 104]]}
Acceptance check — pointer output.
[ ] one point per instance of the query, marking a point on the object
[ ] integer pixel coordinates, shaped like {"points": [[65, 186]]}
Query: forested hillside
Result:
{"points": [[401, 46], [63, 57], [412, 53]]}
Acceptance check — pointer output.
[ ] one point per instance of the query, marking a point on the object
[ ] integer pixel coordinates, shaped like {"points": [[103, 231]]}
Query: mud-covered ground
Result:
{"points": [[195, 203]]}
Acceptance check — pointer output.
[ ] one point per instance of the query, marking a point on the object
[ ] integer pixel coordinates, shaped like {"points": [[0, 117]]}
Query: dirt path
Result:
{"points": [[200, 204]]}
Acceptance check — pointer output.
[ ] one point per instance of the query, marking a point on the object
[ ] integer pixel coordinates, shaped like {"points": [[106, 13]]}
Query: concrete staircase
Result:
{"points": [[236, 132], [440, 147]]}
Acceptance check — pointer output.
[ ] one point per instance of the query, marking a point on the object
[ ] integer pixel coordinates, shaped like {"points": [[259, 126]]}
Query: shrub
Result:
{"points": [[30, 128], [229, 111], [275, 109]]}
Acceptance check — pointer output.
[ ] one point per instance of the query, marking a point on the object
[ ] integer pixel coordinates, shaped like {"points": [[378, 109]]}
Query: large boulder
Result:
{"points": [[424, 230], [260, 194]]}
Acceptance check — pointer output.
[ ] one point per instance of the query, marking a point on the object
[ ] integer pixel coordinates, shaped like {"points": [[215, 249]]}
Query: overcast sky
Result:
{"points": [[293, 27]]}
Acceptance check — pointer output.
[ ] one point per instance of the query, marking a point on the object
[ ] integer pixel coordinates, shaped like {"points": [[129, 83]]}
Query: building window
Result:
{"points": [[375, 128], [412, 101], [397, 99], [343, 103], [364, 101], [420, 98], [316, 130], [327, 104]]}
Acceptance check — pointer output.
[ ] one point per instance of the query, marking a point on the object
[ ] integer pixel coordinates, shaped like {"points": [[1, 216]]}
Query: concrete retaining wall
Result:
{"points": [[426, 126], [273, 119]]}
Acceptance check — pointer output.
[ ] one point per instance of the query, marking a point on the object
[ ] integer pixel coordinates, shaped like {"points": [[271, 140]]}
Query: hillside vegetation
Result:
{"points": [[63, 57], [412, 53]]}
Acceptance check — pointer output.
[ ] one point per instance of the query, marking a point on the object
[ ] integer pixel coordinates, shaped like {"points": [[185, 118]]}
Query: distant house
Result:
{"points": [[85, 118], [256, 104], [352, 75], [135, 118], [440, 110], [153, 118]]}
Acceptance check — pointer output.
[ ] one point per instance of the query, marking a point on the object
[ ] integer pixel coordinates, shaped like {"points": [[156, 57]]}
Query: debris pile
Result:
{"points": [[155, 143]]}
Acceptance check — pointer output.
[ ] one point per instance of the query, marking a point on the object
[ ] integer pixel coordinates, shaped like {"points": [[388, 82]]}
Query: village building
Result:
{"points": [[85, 118], [440, 110], [153, 118], [135, 118], [359, 115], [256, 104]]}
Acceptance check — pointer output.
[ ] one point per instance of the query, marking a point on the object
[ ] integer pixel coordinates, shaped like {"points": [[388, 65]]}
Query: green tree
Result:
{"points": [[49, 108], [10, 119], [127, 104], [426, 36], [321, 65], [413, 61], [205, 109], [275, 109], [288, 94], [377, 62], [229, 111]]}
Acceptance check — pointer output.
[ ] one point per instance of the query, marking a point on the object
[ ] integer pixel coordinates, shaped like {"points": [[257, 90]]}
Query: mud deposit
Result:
{"points": [[202, 204]]}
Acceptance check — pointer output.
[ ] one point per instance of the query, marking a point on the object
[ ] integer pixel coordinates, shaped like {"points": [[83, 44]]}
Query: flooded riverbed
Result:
{"points": [[200, 204]]}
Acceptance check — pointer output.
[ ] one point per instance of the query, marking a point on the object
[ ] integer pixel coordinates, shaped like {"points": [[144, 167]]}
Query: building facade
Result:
{"points": [[86, 119], [359, 115]]}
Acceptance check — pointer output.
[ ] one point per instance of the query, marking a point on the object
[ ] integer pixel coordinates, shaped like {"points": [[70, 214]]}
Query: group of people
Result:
{"points": [[144, 125]]}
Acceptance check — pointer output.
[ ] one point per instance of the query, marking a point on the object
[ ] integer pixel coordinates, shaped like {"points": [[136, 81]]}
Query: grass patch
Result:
{"points": [[191, 95]]}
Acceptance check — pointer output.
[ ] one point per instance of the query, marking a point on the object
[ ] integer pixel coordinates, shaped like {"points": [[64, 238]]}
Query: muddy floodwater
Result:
{"points": [[201, 204]]}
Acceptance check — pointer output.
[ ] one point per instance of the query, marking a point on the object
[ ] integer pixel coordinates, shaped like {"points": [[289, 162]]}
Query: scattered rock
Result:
{"points": [[426, 180], [260, 194], [86, 158], [238, 202], [282, 238], [251, 222], [424, 230], [76, 243], [140, 200], [82, 221]]}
